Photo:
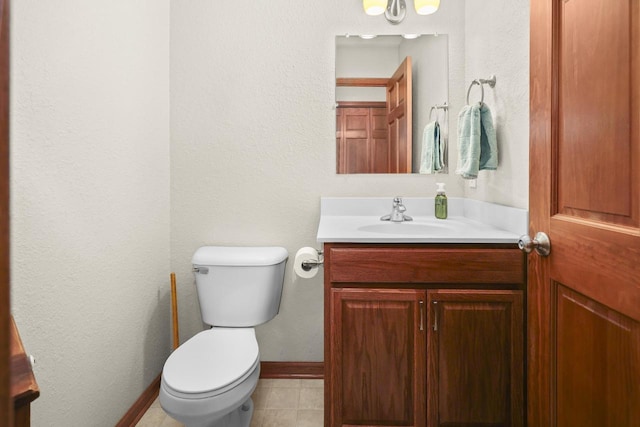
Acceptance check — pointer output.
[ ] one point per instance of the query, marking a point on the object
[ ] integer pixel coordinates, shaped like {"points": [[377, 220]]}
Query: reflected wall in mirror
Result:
{"points": [[385, 89]]}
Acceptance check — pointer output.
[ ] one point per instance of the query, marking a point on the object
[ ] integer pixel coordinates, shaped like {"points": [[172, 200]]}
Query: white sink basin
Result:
{"points": [[357, 220]]}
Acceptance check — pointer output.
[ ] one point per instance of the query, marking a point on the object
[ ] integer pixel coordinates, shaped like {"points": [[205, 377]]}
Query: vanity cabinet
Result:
{"points": [[379, 361], [475, 373], [424, 335]]}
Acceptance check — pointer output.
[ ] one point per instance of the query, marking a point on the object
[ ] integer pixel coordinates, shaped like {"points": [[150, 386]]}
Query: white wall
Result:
{"points": [[252, 139], [251, 151], [90, 202], [497, 42]]}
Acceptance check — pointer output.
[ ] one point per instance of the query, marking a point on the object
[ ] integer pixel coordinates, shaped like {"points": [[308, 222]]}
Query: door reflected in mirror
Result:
{"points": [[385, 88]]}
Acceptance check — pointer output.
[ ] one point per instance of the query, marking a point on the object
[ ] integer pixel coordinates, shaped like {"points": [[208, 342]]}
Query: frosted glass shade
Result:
{"points": [[374, 7], [426, 7]]}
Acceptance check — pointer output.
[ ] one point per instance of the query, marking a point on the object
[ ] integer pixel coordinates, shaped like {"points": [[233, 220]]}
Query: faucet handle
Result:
{"points": [[397, 214]]}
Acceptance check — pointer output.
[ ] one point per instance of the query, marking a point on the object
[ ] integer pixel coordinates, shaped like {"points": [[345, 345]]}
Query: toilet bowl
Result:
{"points": [[208, 381]]}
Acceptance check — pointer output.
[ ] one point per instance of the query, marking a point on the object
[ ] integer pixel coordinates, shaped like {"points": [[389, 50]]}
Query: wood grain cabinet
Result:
{"points": [[475, 360], [424, 335], [379, 361]]}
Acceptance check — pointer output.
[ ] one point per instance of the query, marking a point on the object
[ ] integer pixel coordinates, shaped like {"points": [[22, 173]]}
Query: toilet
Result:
{"points": [[208, 380]]}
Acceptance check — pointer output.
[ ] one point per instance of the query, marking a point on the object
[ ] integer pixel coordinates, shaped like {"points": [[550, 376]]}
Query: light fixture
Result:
{"points": [[374, 7], [395, 10], [426, 7]]}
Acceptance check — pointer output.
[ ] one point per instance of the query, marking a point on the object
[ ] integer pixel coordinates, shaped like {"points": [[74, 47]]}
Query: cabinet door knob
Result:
{"points": [[540, 243], [421, 315]]}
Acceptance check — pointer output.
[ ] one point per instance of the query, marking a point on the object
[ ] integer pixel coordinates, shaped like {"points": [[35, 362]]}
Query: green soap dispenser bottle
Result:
{"points": [[441, 202]]}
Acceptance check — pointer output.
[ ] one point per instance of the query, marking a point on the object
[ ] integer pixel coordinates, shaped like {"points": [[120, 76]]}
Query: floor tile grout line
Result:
{"points": [[267, 386]]}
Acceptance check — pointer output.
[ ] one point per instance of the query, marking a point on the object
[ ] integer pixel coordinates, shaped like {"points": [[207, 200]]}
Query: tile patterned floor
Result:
{"points": [[278, 403]]}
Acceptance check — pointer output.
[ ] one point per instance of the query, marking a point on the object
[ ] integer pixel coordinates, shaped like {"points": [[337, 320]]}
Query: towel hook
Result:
{"points": [[491, 81]]}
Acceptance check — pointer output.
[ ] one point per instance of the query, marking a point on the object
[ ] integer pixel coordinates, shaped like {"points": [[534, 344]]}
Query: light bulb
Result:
{"points": [[426, 7], [374, 7]]}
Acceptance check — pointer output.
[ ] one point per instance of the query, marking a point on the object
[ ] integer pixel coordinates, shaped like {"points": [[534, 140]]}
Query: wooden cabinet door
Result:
{"points": [[584, 298], [475, 358], [378, 358]]}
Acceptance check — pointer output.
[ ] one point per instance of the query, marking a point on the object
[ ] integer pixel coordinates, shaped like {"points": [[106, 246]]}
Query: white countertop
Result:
{"points": [[357, 220]]}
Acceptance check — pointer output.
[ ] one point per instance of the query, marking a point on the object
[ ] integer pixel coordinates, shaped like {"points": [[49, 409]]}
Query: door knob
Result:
{"points": [[540, 243]]}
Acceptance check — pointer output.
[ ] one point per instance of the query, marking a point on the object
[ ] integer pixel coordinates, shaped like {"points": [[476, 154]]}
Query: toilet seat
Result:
{"points": [[211, 363]]}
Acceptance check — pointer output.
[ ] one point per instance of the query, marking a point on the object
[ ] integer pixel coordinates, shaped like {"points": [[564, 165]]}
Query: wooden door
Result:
{"points": [[399, 113], [352, 140], [475, 358], [361, 138], [377, 358], [584, 298], [378, 138], [6, 400]]}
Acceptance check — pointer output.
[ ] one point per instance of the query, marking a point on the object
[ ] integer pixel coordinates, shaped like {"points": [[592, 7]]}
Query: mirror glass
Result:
{"points": [[386, 91]]}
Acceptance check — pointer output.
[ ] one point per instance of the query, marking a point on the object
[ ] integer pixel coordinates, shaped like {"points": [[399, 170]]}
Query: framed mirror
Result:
{"points": [[386, 91]]}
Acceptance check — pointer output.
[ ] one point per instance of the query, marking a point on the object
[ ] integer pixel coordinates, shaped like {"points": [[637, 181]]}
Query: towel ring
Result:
{"points": [[431, 112], [442, 107], [491, 81], [476, 82]]}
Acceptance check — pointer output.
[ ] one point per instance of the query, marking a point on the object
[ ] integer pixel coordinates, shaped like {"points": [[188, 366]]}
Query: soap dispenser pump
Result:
{"points": [[441, 202]]}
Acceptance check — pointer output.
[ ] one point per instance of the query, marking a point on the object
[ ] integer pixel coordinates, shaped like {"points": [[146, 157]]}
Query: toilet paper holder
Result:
{"points": [[307, 265]]}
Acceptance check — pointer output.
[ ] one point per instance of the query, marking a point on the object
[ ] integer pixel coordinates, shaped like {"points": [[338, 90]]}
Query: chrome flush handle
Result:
{"points": [[540, 243]]}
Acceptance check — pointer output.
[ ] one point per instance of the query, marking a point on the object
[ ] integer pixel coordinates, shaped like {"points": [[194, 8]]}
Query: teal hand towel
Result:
{"points": [[477, 144], [431, 159], [488, 141]]}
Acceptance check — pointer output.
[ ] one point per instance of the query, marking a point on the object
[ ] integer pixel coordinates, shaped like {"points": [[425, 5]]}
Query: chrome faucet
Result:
{"points": [[398, 212]]}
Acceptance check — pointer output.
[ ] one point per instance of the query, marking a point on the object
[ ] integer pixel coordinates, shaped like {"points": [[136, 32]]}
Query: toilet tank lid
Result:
{"points": [[239, 255]]}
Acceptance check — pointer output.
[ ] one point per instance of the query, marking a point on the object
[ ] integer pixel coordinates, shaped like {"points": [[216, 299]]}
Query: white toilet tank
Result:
{"points": [[239, 286]]}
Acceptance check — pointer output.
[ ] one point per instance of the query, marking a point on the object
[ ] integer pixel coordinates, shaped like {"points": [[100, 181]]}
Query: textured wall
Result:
{"points": [[251, 152], [252, 139], [90, 202], [497, 42]]}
